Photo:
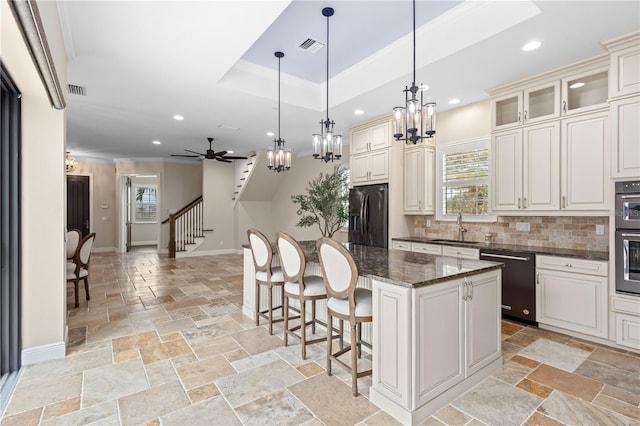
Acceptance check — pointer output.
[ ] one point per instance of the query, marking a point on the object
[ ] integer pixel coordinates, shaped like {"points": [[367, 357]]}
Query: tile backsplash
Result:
{"points": [[555, 232]]}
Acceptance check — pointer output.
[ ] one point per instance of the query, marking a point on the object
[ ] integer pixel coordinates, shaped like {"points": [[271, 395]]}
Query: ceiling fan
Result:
{"points": [[211, 154]]}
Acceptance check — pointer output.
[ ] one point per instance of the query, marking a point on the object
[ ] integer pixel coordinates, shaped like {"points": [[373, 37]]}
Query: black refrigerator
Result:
{"points": [[369, 215]]}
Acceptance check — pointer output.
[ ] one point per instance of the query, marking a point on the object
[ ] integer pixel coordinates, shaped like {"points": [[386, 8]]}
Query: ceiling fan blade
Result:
{"points": [[187, 156], [231, 157], [221, 153], [223, 160], [193, 152]]}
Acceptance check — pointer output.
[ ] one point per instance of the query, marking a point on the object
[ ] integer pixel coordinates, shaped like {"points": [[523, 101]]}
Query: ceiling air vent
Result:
{"points": [[310, 45], [77, 90]]}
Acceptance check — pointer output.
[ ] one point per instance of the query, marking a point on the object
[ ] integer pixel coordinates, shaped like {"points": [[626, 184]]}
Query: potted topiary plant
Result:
{"points": [[326, 201]]}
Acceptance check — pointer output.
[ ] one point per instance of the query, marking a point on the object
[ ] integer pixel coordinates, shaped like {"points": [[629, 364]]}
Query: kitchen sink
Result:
{"points": [[452, 241]]}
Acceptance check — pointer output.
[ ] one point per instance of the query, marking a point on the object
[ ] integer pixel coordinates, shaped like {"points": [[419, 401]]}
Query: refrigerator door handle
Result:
{"points": [[365, 212]]}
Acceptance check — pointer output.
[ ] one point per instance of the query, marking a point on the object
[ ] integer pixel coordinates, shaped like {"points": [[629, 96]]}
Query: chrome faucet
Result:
{"points": [[461, 229]]}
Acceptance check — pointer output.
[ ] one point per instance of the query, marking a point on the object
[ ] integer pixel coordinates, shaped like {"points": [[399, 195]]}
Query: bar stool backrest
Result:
{"points": [[338, 268], [292, 258], [261, 249]]}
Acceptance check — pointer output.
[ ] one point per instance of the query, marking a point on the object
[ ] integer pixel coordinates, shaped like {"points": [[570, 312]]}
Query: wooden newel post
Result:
{"points": [[172, 236]]}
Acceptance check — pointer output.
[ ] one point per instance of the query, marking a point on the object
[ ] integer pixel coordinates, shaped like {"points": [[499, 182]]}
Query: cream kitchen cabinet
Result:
{"points": [[624, 65], [426, 248], [370, 136], [584, 160], [526, 169], [572, 294], [585, 91], [626, 314], [401, 245], [462, 252], [527, 106], [370, 167], [625, 137], [447, 338], [419, 180]]}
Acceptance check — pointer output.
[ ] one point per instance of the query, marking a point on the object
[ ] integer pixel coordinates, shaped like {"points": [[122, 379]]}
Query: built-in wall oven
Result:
{"points": [[627, 241]]}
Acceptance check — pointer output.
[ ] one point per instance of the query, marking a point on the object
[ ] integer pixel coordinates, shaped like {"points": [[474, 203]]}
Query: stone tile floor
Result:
{"points": [[164, 342]]}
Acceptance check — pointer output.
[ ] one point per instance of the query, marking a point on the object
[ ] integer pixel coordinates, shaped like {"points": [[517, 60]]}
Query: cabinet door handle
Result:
{"points": [[519, 117], [538, 278], [525, 115], [564, 201], [464, 291], [524, 203], [519, 205], [564, 107], [470, 284]]}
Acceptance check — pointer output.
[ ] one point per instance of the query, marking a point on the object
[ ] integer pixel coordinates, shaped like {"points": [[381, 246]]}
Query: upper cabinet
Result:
{"points": [[419, 180], [624, 94], [584, 92], [370, 151], [550, 142], [526, 106]]}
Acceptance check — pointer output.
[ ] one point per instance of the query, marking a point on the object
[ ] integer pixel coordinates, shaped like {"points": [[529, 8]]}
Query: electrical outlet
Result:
{"points": [[600, 229], [522, 226]]}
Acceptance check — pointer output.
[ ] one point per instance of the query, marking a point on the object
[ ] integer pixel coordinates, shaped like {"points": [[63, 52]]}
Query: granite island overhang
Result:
{"points": [[436, 324]]}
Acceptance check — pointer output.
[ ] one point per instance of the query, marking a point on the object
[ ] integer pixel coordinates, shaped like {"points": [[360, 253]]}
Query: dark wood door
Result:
{"points": [[78, 203]]}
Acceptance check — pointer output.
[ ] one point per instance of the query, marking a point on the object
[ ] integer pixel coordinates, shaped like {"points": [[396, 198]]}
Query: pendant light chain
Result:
{"points": [[279, 158], [416, 120], [327, 146]]}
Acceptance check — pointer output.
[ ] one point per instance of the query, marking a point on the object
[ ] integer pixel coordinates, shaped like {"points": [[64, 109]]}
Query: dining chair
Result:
{"points": [[79, 268], [300, 287], [266, 275], [345, 302], [72, 241]]}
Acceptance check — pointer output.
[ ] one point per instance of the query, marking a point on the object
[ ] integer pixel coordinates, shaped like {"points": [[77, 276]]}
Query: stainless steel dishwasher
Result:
{"points": [[518, 283]]}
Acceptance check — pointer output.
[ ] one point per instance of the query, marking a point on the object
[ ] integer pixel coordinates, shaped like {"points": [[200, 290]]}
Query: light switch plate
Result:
{"points": [[522, 226], [600, 229]]}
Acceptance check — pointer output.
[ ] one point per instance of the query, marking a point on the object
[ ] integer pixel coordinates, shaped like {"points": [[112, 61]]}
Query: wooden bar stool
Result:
{"points": [[266, 275], [300, 287], [345, 302]]}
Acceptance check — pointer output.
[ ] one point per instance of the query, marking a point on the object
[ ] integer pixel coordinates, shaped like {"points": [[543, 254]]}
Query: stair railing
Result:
{"points": [[185, 225]]}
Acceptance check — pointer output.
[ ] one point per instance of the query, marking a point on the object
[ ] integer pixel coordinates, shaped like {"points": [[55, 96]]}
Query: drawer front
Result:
{"points": [[570, 264], [628, 331], [401, 245], [426, 248], [632, 307], [463, 252]]}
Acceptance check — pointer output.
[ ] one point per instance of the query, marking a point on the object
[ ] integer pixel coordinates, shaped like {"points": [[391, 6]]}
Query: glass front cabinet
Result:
{"points": [[527, 106]]}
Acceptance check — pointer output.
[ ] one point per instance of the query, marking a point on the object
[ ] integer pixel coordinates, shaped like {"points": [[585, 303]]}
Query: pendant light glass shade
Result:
{"points": [[279, 158], [416, 120], [327, 145]]}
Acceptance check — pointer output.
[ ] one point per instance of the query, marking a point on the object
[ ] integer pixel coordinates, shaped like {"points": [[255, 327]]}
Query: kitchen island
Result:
{"points": [[435, 329]]}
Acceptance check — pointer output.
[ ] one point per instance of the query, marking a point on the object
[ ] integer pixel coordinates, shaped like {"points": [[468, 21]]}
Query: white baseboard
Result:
{"points": [[43, 353], [145, 243], [103, 249], [211, 252]]}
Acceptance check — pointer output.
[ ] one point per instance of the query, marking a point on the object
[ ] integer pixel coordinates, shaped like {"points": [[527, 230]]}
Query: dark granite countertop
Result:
{"points": [[405, 268], [564, 252]]}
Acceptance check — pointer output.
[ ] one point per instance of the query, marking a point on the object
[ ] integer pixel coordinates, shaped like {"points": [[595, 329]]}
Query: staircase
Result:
{"points": [[186, 231]]}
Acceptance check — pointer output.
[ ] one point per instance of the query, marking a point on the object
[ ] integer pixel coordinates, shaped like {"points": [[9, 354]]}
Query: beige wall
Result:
{"points": [[103, 191], [43, 189], [217, 183], [464, 123]]}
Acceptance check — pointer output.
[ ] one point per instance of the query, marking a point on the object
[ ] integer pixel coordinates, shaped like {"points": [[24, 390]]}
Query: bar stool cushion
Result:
{"points": [[364, 303], [313, 286], [276, 275]]}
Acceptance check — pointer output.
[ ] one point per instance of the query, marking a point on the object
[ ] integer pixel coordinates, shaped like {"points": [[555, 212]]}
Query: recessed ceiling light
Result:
{"points": [[178, 117], [230, 152], [270, 134], [156, 142], [532, 45], [454, 101], [423, 87], [576, 85], [358, 112]]}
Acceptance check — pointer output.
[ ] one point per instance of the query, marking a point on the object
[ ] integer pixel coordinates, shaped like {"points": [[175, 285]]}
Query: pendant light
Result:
{"points": [[327, 145], [279, 158], [416, 120]]}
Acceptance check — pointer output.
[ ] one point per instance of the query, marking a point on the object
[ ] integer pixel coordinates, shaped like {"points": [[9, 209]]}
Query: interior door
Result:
{"points": [[78, 203], [129, 212]]}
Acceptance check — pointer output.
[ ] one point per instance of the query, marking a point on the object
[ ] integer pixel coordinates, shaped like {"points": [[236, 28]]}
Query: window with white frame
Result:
{"points": [[462, 173], [146, 203]]}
